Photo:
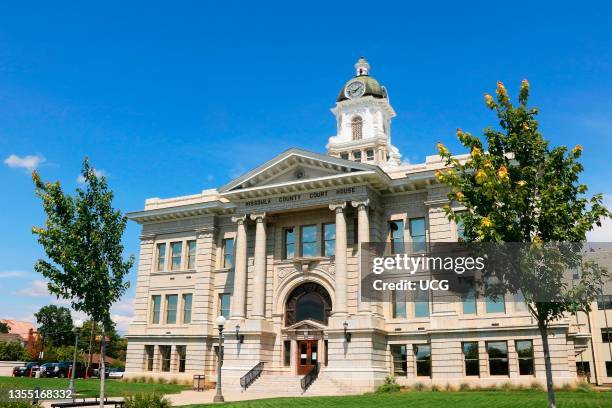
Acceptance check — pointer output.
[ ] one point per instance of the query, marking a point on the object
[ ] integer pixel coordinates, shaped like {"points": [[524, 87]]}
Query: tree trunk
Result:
{"points": [[102, 370], [91, 337], [549, 379]]}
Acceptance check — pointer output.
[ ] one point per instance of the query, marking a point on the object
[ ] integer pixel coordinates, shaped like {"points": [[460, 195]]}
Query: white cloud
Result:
{"points": [[12, 274], [98, 173], [29, 162], [603, 233], [37, 288]]}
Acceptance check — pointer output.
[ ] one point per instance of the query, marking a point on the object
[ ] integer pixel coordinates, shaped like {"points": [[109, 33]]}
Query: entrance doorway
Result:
{"points": [[308, 356]]}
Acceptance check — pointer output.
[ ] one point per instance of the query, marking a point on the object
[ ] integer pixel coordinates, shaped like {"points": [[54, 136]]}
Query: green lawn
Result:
{"points": [[468, 399], [90, 388]]}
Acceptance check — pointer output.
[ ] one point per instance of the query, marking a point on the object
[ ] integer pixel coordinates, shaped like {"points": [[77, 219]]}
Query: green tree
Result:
{"points": [[519, 189], [12, 351], [55, 325], [4, 327], [82, 240]]}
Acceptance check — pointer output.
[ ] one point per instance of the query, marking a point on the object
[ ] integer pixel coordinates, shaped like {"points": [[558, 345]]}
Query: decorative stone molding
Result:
{"points": [[147, 238], [205, 232]]}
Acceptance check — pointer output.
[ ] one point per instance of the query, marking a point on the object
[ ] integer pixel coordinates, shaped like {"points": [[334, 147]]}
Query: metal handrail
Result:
{"points": [[310, 377], [250, 377]]}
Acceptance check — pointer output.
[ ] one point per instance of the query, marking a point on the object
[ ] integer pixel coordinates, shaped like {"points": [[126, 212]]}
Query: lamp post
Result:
{"points": [[220, 323], [77, 327]]}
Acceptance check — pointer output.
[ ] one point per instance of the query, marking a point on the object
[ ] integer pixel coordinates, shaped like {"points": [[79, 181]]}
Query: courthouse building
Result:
{"points": [[276, 251]]}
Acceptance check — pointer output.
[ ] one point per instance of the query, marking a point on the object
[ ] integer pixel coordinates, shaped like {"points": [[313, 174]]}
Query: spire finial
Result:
{"points": [[362, 67]]}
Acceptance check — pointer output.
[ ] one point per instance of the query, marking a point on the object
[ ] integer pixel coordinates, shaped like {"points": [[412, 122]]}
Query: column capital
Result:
{"points": [[361, 203], [259, 217], [338, 207], [239, 219]]}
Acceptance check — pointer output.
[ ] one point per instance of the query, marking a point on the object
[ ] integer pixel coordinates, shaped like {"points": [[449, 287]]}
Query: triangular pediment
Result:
{"points": [[306, 325], [296, 166]]}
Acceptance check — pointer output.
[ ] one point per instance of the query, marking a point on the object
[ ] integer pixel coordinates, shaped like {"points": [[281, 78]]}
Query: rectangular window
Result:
{"points": [[398, 300], [604, 302], [161, 257], [149, 350], [329, 239], [171, 306], [164, 353], [468, 295], [289, 239], [370, 154], [181, 352], [460, 229], [344, 156], [155, 308], [583, 369], [421, 303], [309, 240], [417, 234], [470, 356], [608, 368], [187, 300], [519, 302], [498, 357], [287, 353], [176, 249], [191, 254], [357, 155], [228, 252], [224, 305], [422, 354], [606, 335], [397, 236], [400, 360], [524, 350], [496, 306]]}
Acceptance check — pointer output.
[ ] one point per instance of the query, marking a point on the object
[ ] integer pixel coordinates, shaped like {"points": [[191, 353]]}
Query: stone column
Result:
{"points": [[341, 281], [240, 270], [259, 278], [363, 228]]}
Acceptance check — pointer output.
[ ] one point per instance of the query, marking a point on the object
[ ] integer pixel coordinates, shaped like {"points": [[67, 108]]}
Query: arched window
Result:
{"points": [[309, 301], [357, 127]]}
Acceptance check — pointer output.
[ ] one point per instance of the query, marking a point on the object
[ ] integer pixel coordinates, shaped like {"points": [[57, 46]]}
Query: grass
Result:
{"points": [[468, 399], [91, 388]]}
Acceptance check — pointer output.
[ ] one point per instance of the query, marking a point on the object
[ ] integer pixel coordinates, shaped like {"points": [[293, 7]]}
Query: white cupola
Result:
{"points": [[363, 117]]}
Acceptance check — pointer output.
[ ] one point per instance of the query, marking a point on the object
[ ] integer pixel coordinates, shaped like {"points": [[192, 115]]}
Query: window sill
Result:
{"points": [[174, 272]]}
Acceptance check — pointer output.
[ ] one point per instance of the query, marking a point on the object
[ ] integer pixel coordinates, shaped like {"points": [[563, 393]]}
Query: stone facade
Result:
{"points": [[247, 249]]}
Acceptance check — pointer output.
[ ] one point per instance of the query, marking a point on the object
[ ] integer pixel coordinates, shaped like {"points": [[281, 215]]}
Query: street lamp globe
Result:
{"points": [[220, 321]]}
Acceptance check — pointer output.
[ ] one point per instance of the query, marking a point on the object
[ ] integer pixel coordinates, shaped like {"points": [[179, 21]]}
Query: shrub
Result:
{"points": [[160, 380], [464, 387], [536, 386], [418, 387], [147, 401], [584, 387], [507, 386], [435, 387], [390, 385], [450, 388], [12, 351]]}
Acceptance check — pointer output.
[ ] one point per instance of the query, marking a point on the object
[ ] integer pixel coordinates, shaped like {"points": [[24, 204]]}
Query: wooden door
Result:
{"points": [[308, 355]]}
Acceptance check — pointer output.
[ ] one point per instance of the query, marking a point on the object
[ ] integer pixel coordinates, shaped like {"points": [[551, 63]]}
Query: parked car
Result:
{"points": [[27, 370], [114, 373], [62, 369]]}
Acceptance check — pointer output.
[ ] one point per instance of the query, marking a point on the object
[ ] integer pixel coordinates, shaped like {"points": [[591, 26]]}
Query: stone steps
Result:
{"points": [[289, 386]]}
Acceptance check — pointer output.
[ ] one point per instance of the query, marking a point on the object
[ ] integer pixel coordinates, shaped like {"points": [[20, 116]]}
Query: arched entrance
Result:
{"points": [[307, 312], [309, 301]]}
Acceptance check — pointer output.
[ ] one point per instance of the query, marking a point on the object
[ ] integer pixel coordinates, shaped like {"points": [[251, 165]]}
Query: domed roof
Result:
{"points": [[372, 87]]}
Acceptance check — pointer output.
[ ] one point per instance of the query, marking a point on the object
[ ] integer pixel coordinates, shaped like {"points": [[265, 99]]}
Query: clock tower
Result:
{"points": [[363, 118]]}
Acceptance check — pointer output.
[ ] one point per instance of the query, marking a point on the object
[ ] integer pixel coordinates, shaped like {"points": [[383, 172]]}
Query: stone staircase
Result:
{"points": [[275, 385]]}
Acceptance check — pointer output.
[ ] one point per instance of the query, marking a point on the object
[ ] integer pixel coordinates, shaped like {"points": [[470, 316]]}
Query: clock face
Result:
{"points": [[355, 89]]}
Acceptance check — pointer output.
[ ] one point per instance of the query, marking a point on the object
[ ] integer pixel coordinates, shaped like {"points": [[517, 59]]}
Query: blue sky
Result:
{"points": [[169, 99]]}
